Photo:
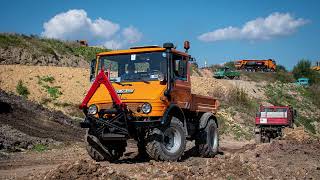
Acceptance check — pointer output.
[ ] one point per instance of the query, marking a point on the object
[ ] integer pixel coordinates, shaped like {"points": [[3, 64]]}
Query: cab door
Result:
{"points": [[181, 93]]}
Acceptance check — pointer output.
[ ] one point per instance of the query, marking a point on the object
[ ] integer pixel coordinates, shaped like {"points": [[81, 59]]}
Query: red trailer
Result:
{"points": [[270, 120]]}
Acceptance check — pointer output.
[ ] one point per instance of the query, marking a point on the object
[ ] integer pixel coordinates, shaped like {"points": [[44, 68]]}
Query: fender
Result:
{"points": [[205, 118], [165, 120]]}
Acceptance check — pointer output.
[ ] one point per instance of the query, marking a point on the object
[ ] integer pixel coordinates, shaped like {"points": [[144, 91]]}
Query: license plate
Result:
{"points": [[263, 121]]}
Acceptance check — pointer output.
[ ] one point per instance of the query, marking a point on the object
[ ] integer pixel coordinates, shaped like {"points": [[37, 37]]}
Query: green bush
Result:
{"points": [[22, 90], [237, 97], [49, 79], [284, 77], [53, 91], [314, 94], [303, 70], [281, 68], [230, 64], [39, 46], [40, 147], [307, 123]]}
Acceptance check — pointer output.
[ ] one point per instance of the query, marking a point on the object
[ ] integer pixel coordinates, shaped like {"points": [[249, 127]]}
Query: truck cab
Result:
{"points": [[270, 120]]}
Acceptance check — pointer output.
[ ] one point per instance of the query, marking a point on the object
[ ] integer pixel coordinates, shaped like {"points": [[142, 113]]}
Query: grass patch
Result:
{"points": [[48, 78], [240, 133], [307, 123], [38, 46], [53, 91], [40, 147], [62, 104], [223, 126], [22, 90], [45, 101], [313, 93], [239, 98]]}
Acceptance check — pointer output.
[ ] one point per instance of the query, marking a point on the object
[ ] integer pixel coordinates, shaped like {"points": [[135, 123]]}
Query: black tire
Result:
{"points": [[167, 144], [106, 151], [142, 151], [258, 138], [207, 141]]}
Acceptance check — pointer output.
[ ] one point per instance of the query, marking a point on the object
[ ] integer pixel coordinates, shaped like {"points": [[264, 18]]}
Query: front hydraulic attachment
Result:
{"points": [[115, 126]]}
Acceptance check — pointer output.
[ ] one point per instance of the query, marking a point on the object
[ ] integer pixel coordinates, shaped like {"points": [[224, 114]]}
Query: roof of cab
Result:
{"points": [[130, 51], [139, 50]]}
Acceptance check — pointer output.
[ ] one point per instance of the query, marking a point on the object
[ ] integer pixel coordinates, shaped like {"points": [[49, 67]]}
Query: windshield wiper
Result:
{"points": [[143, 80], [119, 83]]}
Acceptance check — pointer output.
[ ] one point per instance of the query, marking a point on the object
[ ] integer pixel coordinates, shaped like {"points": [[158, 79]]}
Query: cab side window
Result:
{"points": [[180, 67]]}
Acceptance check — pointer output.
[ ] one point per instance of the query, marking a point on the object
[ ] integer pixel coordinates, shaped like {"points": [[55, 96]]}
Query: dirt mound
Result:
{"points": [[298, 134], [286, 159], [12, 139], [27, 123], [81, 169], [15, 55]]}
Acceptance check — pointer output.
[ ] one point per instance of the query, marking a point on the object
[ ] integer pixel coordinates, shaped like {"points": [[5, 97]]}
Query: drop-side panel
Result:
{"points": [[203, 104]]}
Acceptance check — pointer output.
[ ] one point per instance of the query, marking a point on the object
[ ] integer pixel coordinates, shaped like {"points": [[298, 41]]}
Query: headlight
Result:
{"points": [[146, 108], [93, 109], [161, 77]]}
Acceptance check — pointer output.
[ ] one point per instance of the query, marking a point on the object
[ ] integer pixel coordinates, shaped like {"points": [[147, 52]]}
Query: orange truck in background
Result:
{"points": [[268, 65], [317, 66]]}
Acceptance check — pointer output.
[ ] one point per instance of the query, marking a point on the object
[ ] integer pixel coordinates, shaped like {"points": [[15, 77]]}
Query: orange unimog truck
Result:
{"points": [[268, 65], [144, 93]]}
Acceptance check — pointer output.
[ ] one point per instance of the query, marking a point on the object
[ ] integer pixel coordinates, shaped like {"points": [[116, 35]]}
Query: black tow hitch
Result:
{"points": [[108, 129], [85, 123]]}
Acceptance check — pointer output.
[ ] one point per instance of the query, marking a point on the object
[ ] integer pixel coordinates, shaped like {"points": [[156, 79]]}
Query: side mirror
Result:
{"points": [[295, 113], [93, 69], [258, 114]]}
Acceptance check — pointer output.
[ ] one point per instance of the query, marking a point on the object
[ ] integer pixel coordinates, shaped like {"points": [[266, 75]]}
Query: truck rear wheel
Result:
{"points": [[207, 142], [167, 144], [99, 151]]}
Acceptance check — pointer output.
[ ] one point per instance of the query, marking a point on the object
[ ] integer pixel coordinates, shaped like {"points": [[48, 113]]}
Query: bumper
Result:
{"points": [[114, 129]]}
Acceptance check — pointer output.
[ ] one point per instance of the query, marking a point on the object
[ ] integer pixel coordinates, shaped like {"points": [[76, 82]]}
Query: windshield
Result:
{"points": [[135, 67], [274, 110]]}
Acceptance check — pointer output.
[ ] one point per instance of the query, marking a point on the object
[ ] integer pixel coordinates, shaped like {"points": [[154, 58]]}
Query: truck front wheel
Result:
{"points": [[104, 151], [168, 143], [207, 142]]}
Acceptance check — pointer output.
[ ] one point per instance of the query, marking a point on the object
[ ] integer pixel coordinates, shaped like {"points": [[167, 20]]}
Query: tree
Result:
{"points": [[303, 69], [230, 64], [281, 68]]}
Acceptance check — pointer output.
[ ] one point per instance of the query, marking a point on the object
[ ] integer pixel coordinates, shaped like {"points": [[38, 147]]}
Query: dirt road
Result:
{"points": [[282, 159]]}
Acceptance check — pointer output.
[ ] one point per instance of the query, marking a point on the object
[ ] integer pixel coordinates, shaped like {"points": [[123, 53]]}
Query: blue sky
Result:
{"points": [[129, 23]]}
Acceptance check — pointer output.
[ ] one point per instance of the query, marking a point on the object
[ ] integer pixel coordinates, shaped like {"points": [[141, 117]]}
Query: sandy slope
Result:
{"points": [[74, 82]]}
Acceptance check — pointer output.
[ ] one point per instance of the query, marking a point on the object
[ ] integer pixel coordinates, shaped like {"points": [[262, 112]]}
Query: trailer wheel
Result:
{"points": [[168, 143], [99, 151], [207, 142]]}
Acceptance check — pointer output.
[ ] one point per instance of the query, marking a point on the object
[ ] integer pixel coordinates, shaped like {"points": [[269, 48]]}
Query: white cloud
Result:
{"points": [[75, 24], [131, 34], [276, 24], [113, 44]]}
